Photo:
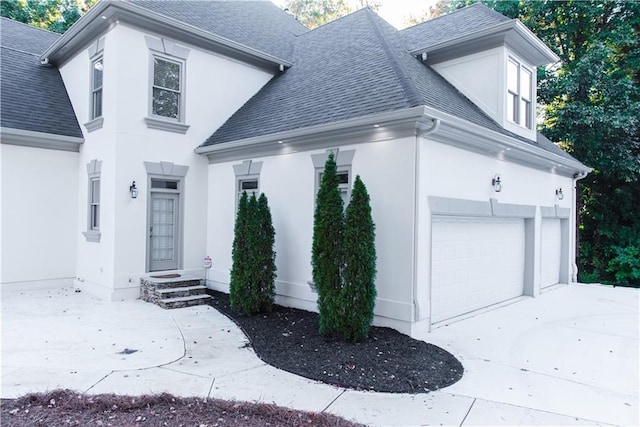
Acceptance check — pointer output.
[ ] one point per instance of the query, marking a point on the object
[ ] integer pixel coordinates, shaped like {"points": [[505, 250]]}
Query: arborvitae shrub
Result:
{"points": [[253, 271], [358, 294], [326, 252]]}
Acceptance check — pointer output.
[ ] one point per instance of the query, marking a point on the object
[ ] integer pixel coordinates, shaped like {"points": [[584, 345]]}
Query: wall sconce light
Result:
{"points": [[496, 183], [559, 193], [133, 190]]}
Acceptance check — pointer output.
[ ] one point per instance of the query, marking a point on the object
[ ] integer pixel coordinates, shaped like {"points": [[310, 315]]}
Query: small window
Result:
{"points": [[164, 184], [519, 94], [167, 88], [249, 185], [343, 184], [94, 204], [93, 201], [97, 68]]}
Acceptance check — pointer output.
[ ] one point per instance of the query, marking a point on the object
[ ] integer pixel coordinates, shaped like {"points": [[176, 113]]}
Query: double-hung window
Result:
{"points": [[93, 201], [166, 97], [519, 94], [97, 68]]}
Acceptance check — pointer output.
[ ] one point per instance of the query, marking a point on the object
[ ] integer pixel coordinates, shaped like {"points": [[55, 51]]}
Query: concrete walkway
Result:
{"points": [[569, 357]]}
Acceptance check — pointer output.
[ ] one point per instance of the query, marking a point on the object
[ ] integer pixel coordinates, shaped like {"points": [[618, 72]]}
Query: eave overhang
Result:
{"points": [[107, 13], [417, 122], [27, 138], [512, 33]]}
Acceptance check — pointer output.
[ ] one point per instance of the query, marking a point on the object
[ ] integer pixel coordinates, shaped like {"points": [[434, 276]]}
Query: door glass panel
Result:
{"points": [[162, 235]]}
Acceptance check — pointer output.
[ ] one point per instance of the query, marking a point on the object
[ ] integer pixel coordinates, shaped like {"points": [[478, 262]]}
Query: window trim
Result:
{"points": [[248, 170], [94, 169], [95, 90], [96, 53], [169, 51], [518, 98]]}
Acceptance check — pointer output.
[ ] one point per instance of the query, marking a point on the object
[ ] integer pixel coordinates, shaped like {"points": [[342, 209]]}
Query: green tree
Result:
{"points": [[240, 257], [591, 102], [326, 256], [265, 255], [52, 15], [313, 13], [358, 294]]}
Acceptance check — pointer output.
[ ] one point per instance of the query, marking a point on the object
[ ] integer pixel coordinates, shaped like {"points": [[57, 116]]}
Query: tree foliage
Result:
{"points": [[591, 102], [358, 295], [52, 15], [326, 251], [313, 13], [252, 286]]}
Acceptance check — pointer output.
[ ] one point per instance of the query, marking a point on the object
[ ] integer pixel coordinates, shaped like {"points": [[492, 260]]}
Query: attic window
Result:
{"points": [[519, 94]]}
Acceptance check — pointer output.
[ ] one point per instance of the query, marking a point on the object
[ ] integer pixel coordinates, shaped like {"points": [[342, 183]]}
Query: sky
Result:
{"points": [[395, 12]]}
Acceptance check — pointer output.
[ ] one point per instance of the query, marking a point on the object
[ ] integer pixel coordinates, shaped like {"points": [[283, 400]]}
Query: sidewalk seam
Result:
{"points": [[468, 412]]}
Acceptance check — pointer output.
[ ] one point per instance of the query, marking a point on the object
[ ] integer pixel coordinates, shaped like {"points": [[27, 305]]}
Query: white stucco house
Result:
{"points": [[187, 104]]}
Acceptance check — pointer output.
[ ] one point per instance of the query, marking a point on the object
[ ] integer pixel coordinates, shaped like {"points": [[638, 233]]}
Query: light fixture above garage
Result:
{"points": [[559, 193], [496, 183]]}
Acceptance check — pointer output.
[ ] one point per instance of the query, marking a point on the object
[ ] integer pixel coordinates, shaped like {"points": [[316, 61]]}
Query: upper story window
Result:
{"points": [[96, 81], [166, 97], [96, 88], [167, 85], [519, 94]]}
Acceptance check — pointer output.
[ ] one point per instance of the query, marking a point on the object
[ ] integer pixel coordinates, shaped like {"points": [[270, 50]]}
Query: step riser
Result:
{"points": [[150, 292]]}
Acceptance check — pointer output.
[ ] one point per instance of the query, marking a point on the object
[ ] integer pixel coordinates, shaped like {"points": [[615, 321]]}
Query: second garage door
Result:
{"points": [[477, 262]]}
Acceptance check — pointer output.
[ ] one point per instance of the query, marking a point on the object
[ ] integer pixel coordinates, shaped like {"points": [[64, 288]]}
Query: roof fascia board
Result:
{"points": [[27, 138], [513, 31], [371, 128], [461, 133], [92, 24]]}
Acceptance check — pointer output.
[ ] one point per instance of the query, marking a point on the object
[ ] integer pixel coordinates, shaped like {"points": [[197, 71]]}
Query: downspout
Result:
{"points": [[416, 202], [574, 266]]}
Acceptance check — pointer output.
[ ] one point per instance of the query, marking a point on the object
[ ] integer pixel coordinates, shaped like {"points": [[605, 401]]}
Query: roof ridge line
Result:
{"points": [[408, 88]]}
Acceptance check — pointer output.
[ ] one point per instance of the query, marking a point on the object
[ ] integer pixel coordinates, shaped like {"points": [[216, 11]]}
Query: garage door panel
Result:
{"points": [[476, 262], [551, 252]]}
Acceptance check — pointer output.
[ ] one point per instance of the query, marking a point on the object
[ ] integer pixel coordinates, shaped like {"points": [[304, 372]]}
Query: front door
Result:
{"points": [[164, 232]]}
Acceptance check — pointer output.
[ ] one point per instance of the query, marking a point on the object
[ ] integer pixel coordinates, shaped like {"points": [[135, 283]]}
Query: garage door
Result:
{"points": [[551, 250], [476, 262]]}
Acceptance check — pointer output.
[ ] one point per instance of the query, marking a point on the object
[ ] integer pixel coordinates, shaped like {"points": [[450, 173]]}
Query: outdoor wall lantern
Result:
{"points": [[559, 194], [496, 183], [133, 190]]}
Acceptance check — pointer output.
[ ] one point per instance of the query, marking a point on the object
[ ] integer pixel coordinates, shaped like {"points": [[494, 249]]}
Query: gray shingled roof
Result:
{"points": [[260, 25], [352, 67], [34, 97], [453, 25]]}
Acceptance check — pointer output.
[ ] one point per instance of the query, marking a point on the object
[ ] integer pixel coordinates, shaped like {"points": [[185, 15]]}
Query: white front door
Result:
{"points": [[476, 262], [164, 231]]}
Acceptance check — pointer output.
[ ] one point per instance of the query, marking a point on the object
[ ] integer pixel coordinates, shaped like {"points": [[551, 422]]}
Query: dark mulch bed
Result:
{"points": [[387, 361], [68, 408]]}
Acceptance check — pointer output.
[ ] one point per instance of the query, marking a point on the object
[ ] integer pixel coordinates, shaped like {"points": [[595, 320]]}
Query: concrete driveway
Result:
{"points": [[568, 357]]}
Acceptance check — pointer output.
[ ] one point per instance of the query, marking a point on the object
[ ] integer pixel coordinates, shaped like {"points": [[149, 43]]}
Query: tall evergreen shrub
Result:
{"points": [[326, 256], [358, 293], [252, 286]]}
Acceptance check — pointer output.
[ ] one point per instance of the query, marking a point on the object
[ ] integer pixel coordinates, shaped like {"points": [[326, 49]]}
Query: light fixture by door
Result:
{"points": [[559, 193], [133, 190], [496, 183]]}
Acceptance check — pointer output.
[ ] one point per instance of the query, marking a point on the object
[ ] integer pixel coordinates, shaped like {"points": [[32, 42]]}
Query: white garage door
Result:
{"points": [[551, 249], [476, 262]]}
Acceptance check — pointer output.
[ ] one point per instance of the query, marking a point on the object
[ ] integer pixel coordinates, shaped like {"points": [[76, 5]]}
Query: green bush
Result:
{"points": [[358, 295], [326, 256], [252, 286]]}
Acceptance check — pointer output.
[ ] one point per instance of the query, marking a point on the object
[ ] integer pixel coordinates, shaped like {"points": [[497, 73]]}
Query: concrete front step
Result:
{"points": [[178, 282], [181, 292], [187, 301]]}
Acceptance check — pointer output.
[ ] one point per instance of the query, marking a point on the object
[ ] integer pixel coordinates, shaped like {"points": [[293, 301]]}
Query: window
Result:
{"points": [[250, 186], [93, 201], [519, 94], [94, 204], [247, 178], [343, 159], [167, 88], [97, 67]]}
